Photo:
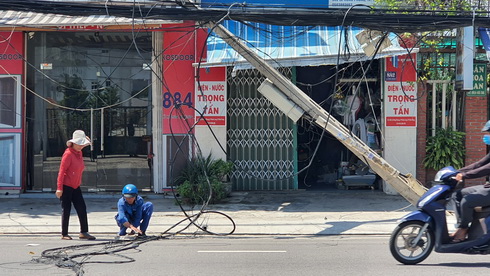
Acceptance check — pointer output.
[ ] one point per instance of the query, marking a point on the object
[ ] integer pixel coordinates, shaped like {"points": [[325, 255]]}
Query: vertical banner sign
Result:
{"points": [[211, 96], [11, 48], [479, 81], [178, 93], [400, 89]]}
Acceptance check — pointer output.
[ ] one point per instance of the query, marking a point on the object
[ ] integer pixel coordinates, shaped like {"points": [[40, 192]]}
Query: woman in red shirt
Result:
{"points": [[68, 188]]}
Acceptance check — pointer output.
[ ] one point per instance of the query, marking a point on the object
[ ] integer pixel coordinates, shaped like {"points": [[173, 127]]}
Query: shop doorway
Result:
{"points": [[324, 162], [97, 82]]}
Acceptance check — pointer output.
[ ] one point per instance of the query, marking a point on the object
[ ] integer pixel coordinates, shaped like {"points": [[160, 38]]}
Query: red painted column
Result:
{"points": [[12, 125]]}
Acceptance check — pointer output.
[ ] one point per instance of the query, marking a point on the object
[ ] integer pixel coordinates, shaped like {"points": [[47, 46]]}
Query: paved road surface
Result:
{"points": [[253, 255]]}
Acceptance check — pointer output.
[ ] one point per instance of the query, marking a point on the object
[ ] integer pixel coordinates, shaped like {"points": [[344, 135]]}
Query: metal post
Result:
{"points": [[443, 107], [453, 109], [102, 132], [91, 131], [434, 100]]}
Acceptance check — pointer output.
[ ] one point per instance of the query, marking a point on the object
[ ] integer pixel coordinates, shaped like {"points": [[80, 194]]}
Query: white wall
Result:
{"points": [[400, 151], [208, 143]]}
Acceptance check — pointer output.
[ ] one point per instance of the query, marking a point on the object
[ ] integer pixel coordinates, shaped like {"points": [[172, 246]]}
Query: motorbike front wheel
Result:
{"points": [[402, 245]]}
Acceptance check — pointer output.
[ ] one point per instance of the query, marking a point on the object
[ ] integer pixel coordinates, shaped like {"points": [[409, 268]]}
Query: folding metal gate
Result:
{"points": [[260, 138]]}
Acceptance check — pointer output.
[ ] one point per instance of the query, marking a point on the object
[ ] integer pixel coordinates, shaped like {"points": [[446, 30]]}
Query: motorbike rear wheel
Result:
{"points": [[401, 246]]}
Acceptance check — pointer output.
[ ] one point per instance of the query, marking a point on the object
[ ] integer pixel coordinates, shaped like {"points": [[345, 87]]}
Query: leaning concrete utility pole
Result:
{"points": [[406, 185]]}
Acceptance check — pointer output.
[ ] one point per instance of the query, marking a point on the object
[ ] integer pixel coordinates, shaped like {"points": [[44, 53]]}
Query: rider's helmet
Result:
{"points": [[130, 191], [486, 127]]}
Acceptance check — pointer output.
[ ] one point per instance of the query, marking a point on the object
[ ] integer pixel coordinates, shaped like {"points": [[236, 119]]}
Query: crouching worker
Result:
{"points": [[133, 212]]}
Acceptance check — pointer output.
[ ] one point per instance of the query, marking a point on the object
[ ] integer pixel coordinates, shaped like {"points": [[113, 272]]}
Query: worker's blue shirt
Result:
{"points": [[132, 213]]}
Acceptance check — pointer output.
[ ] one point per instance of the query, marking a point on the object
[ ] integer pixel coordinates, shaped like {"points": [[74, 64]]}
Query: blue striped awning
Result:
{"points": [[286, 46]]}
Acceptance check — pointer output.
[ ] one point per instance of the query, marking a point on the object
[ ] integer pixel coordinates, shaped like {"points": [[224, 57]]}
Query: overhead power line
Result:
{"points": [[377, 19]]}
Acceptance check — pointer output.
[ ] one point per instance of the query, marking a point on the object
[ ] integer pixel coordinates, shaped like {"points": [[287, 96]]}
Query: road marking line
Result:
{"points": [[241, 251]]}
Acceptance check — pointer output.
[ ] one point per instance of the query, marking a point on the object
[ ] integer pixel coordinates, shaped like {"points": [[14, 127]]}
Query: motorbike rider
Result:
{"points": [[468, 198]]}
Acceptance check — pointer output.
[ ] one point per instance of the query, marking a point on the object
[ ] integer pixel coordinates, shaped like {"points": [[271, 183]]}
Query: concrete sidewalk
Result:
{"points": [[330, 212]]}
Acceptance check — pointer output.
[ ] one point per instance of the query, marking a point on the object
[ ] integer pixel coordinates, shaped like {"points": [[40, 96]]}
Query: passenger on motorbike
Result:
{"points": [[468, 198]]}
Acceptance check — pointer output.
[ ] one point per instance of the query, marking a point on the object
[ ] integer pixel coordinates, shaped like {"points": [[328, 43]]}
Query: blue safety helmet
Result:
{"points": [[486, 127], [130, 191]]}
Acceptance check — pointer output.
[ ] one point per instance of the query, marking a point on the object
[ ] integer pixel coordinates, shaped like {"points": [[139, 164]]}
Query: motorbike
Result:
{"points": [[425, 229]]}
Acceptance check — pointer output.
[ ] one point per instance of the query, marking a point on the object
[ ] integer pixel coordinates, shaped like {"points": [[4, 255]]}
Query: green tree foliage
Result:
{"points": [[104, 96], [74, 93], [449, 6], [446, 148], [202, 180]]}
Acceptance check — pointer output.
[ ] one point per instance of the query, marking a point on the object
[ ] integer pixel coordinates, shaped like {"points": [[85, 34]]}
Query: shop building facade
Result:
{"points": [[101, 74], [142, 93]]}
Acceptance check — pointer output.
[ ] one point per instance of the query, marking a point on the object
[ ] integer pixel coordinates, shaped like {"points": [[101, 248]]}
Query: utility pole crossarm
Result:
{"points": [[406, 185]]}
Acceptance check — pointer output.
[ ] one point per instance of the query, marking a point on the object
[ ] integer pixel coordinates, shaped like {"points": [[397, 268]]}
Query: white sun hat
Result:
{"points": [[79, 138]]}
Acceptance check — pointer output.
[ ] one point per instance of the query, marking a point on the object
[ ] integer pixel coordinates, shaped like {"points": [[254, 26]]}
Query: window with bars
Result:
{"points": [[9, 102]]}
